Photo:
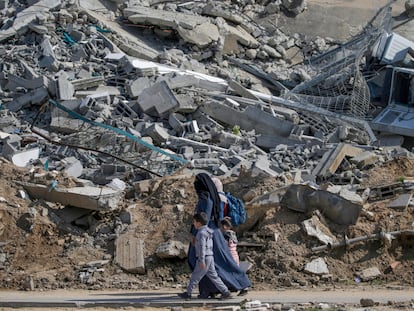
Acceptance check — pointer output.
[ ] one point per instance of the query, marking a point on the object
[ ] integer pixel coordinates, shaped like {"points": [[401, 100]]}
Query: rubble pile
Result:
{"points": [[108, 110]]}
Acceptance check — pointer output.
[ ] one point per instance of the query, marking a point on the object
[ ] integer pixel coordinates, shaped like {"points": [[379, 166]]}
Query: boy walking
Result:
{"points": [[205, 260]]}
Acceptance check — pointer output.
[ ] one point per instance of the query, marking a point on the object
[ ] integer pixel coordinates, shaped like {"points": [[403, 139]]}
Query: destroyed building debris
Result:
{"points": [[114, 111]]}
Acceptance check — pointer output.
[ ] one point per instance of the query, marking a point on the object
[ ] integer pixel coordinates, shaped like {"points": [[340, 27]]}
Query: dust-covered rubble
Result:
{"points": [[109, 109]]}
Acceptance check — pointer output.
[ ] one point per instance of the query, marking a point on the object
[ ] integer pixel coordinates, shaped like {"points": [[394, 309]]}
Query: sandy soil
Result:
{"points": [[53, 258]]}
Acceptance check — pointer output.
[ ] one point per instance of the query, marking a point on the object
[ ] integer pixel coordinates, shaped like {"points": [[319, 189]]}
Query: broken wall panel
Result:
{"points": [[93, 198]]}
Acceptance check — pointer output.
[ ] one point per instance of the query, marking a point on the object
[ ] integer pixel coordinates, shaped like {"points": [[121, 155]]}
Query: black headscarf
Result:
{"points": [[203, 185]]}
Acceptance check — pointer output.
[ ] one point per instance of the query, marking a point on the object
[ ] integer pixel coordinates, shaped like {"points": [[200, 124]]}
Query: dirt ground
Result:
{"points": [[39, 253]]}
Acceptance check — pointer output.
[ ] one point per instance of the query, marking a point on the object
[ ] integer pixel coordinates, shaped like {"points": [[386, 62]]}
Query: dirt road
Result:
{"points": [[168, 298]]}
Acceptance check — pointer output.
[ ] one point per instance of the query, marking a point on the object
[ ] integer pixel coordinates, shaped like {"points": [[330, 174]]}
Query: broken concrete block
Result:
{"points": [[90, 101], [86, 83], [11, 144], [314, 227], [122, 108], [401, 202], [262, 166], [129, 253], [365, 159], [303, 198], [295, 6], [14, 81], [26, 16], [65, 88], [201, 35], [136, 87], [176, 121], [62, 122], [346, 193], [369, 274], [34, 97], [187, 152], [185, 103], [212, 164], [221, 170], [12, 151], [157, 133], [117, 184], [252, 118], [194, 29], [241, 90], [157, 99], [23, 158], [334, 157], [172, 249], [48, 59], [73, 167], [94, 198], [240, 34], [317, 266]]}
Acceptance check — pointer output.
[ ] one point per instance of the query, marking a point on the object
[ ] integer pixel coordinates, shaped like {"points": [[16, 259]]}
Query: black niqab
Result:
{"points": [[203, 185]]}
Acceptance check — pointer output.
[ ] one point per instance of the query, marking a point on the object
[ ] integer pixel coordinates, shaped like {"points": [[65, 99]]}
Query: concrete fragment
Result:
{"points": [[365, 159], [401, 202], [129, 253], [48, 59], [73, 167], [157, 100], [334, 157], [216, 10], [263, 166], [317, 266], [62, 122], [303, 198], [23, 158], [315, 228], [252, 118], [194, 29], [137, 86], [28, 15], [369, 274], [241, 90], [65, 87], [34, 97], [157, 133], [94, 198], [346, 193], [14, 81], [12, 151], [86, 83], [201, 35], [240, 35], [172, 249]]}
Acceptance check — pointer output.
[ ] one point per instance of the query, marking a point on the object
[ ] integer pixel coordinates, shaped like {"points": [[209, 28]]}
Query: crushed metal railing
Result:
{"points": [[337, 83]]}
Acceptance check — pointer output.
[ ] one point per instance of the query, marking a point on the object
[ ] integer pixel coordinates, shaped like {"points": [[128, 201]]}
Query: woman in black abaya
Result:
{"points": [[228, 270]]}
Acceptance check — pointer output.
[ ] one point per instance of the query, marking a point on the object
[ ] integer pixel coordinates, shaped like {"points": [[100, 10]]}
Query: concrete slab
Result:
{"points": [[129, 253], [401, 202], [93, 198]]}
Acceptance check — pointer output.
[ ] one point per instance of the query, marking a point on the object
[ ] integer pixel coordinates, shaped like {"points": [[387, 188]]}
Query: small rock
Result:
{"points": [[366, 302]]}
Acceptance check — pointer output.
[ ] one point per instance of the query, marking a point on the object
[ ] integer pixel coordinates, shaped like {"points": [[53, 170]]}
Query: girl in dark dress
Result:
{"points": [[228, 270]]}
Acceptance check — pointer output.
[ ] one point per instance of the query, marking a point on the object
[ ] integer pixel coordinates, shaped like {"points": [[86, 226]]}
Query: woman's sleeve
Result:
{"points": [[205, 205]]}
